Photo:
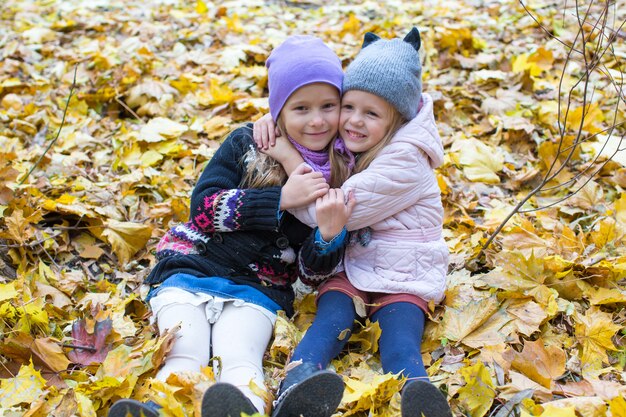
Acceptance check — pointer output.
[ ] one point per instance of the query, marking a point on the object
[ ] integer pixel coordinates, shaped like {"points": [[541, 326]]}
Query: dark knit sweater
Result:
{"points": [[237, 233]]}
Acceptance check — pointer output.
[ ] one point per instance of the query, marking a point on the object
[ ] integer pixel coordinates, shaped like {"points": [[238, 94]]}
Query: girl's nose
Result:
{"points": [[317, 119], [356, 119]]}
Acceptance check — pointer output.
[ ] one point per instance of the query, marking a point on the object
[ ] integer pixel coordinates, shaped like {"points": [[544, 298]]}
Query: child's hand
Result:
{"points": [[333, 212], [282, 151], [303, 187], [264, 132], [285, 153]]}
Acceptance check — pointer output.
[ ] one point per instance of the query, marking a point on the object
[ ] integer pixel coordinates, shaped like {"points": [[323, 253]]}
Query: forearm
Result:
{"points": [[237, 209], [291, 163]]}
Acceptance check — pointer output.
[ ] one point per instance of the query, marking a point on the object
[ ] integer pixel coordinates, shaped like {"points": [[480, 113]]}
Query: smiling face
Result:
{"points": [[311, 115], [364, 121]]}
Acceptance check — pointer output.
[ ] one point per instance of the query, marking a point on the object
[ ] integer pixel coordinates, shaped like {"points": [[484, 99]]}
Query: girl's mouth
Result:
{"points": [[318, 133], [355, 135]]}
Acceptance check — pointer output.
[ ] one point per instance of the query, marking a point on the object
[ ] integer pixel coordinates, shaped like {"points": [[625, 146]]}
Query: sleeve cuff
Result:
{"points": [[324, 247]]}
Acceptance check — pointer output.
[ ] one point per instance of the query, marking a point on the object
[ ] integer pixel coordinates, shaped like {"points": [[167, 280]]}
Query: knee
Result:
{"points": [[184, 349], [399, 350]]}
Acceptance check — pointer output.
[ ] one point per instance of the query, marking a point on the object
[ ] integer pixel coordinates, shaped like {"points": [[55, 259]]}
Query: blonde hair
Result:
{"points": [[364, 159], [339, 166], [261, 170]]}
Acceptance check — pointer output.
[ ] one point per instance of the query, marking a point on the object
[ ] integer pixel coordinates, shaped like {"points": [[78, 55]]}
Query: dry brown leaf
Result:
{"points": [[542, 364]]}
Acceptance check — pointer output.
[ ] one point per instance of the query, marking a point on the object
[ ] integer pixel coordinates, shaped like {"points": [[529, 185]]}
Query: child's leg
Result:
{"points": [[192, 349], [324, 339], [240, 337], [308, 389], [402, 326]]}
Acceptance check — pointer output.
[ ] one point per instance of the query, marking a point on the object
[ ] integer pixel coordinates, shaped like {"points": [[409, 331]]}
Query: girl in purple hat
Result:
{"points": [[223, 276], [396, 261]]}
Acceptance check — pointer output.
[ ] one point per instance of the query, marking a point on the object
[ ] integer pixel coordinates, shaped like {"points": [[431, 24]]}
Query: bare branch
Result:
{"points": [[592, 29], [67, 104]]}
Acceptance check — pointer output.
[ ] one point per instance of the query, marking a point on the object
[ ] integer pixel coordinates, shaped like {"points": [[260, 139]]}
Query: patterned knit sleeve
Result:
{"points": [[217, 202], [319, 260]]}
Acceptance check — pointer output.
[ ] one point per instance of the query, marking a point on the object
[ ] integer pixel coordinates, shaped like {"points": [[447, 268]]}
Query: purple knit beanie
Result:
{"points": [[299, 61]]}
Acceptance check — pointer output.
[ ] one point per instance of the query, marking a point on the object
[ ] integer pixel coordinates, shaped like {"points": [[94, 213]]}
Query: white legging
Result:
{"points": [[239, 339]]}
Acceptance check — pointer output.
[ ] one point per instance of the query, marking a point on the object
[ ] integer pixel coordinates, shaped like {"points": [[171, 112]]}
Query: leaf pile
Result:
{"points": [[535, 323]]}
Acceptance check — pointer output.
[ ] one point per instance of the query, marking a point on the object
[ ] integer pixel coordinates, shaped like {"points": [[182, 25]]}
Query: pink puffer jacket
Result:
{"points": [[399, 199]]}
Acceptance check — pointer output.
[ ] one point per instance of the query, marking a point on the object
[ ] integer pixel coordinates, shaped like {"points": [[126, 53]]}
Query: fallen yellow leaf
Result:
{"points": [[126, 238], [594, 331], [478, 393], [480, 162], [160, 129], [458, 323], [540, 363], [25, 388]]}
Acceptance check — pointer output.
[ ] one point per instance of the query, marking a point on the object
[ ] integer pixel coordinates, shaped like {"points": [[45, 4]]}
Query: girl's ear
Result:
{"points": [[369, 38], [413, 38]]}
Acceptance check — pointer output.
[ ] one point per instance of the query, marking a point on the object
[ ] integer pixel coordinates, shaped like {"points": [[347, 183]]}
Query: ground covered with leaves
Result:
{"points": [[529, 101]]}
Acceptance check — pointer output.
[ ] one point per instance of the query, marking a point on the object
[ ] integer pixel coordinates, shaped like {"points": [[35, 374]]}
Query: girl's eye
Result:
{"points": [[371, 113], [330, 106], [300, 108], [347, 107]]}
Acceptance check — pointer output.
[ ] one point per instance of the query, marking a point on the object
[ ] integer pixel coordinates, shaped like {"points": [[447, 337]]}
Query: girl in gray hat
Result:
{"points": [[396, 262]]}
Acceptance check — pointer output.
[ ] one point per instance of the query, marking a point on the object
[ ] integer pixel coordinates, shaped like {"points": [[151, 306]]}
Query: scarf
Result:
{"points": [[320, 160]]}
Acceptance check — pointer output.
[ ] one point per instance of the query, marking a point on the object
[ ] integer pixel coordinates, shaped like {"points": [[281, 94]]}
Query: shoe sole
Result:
{"points": [[130, 408], [421, 398], [317, 396], [225, 400]]}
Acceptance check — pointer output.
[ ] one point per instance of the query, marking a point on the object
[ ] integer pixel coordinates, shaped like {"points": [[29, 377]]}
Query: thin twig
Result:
{"points": [[31, 244], [121, 103], [67, 104], [48, 255], [87, 348], [7, 369], [544, 28]]}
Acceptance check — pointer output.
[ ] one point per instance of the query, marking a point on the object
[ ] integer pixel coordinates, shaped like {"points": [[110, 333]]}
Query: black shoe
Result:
{"points": [[317, 394], [226, 400], [421, 398], [133, 408]]}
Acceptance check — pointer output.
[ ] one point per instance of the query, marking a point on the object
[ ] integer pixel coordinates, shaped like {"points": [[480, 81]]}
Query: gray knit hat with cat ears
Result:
{"points": [[390, 69]]}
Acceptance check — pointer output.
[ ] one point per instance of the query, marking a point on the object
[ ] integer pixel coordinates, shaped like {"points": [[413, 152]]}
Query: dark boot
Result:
{"points": [[421, 398], [133, 408], [225, 400], [310, 392]]}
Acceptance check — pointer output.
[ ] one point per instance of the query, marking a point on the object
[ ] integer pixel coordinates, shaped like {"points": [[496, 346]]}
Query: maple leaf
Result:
{"points": [[367, 337], [540, 363], [366, 395], [51, 354], [162, 348], [94, 342], [160, 129], [286, 336], [479, 391], [528, 315], [535, 63], [25, 387], [8, 291], [459, 323], [126, 238], [594, 331], [480, 162], [19, 227]]}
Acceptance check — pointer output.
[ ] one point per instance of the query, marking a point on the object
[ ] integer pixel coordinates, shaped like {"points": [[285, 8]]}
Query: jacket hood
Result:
{"points": [[422, 132]]}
